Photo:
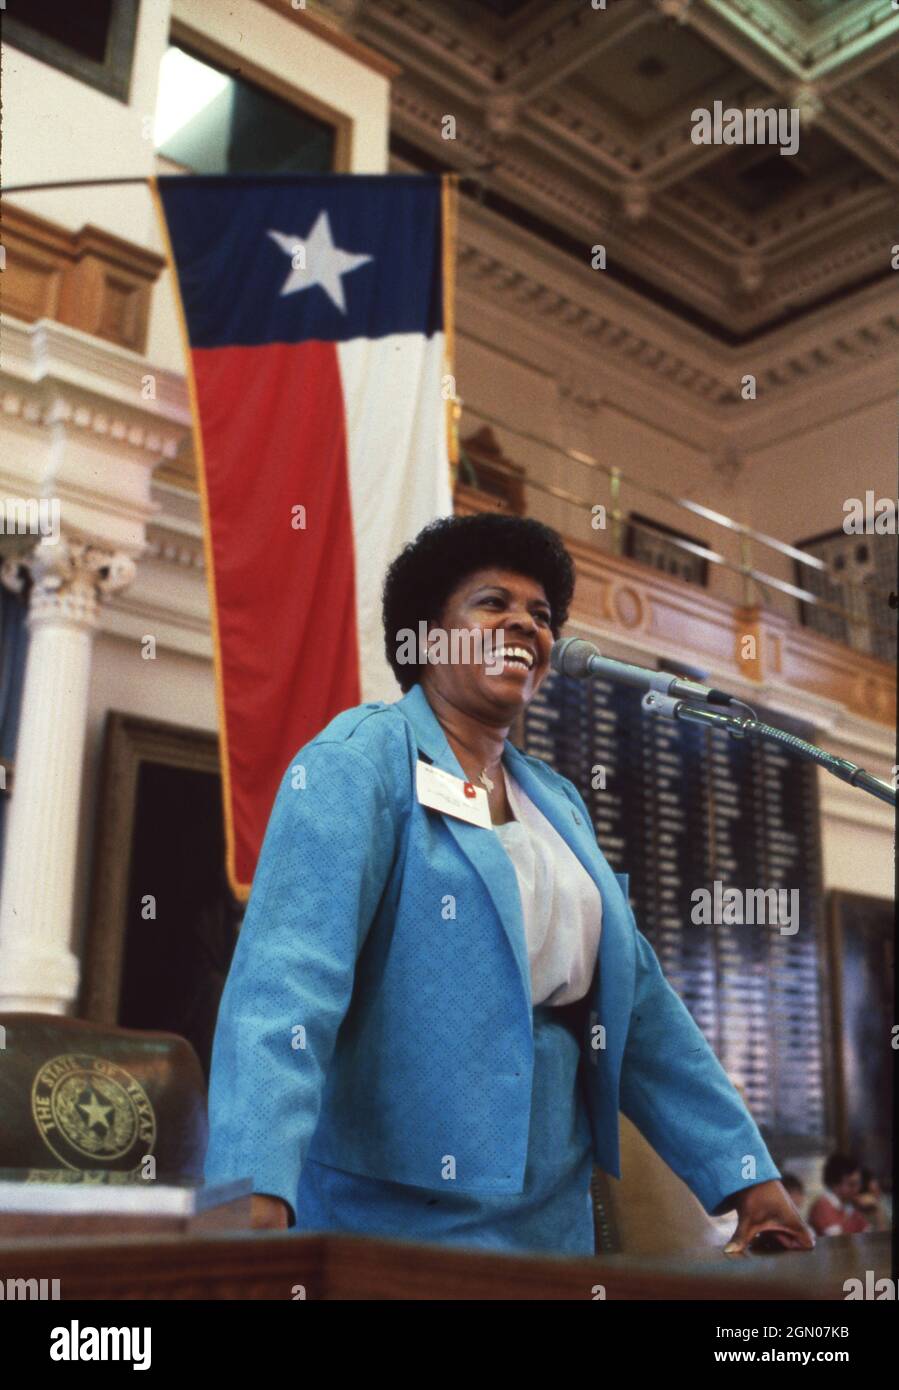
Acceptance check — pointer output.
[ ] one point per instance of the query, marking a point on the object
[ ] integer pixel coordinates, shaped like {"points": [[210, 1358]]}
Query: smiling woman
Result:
{"points": [[515, 606], [476, 1002], [428, 572]]}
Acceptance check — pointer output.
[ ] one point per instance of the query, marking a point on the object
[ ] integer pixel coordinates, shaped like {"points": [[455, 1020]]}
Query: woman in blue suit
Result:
{"points": [[439, 1000]]}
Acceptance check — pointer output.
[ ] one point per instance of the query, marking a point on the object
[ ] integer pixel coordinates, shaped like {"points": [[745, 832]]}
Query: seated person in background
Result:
{"points": [[835, 1213], [870, 1202]]}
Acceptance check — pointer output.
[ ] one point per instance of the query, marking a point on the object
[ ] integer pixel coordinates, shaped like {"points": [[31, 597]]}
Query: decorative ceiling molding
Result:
{"points": [[693, 238], [574, 38], [452, 51], [611, 327], [718, 229], [801, 44], [854, 119], [575, 125]]}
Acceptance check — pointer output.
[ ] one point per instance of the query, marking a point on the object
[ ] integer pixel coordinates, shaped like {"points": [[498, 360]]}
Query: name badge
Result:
{"points": [[443, 792]]}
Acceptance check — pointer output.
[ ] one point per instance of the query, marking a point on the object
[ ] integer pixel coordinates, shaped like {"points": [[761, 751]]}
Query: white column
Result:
{"points": [[38, 970]]}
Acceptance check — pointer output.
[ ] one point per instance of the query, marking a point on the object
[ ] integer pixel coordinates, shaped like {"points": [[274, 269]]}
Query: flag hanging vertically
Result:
{"points": [[317, 312]]}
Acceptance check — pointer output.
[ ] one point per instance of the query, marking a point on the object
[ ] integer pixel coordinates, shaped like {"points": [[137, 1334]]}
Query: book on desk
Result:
{"points": [[60, 1201]]}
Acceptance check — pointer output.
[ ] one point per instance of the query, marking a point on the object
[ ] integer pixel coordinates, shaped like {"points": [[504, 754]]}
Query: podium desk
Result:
{"points": [[267, 1265]]}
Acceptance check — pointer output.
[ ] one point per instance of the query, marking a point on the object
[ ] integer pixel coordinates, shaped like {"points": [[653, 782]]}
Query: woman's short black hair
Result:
{"points": [[443, 554]]}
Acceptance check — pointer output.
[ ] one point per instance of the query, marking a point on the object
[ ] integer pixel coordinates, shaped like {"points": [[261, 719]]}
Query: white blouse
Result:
{"points": [[560, 903]]}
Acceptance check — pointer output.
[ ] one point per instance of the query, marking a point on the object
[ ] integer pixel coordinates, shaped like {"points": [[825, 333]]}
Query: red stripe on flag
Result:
{"points": [[274, 438]]}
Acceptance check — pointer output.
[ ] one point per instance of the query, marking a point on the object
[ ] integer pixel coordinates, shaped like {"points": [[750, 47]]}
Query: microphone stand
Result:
{"points": [[739, 726]]}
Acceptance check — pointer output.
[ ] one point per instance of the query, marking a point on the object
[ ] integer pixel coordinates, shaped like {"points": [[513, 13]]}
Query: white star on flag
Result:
{"points": [[323, 262]]}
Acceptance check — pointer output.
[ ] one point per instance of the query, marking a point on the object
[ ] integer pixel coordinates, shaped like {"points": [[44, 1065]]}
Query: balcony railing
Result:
{"points": [[860, 615]]}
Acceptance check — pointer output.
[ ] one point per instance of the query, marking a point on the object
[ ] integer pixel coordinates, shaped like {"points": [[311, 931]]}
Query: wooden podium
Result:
{"points": [[263, 1265]]}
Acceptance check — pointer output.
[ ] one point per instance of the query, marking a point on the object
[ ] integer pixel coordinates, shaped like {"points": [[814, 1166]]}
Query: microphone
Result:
{"points": [[572, 656]]}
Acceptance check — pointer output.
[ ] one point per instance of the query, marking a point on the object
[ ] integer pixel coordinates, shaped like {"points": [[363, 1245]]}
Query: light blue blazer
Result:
{"points": [[377, 1016]]}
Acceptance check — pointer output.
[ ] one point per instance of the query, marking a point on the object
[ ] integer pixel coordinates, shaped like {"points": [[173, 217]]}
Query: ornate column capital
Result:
{"points": [[68, 577]]}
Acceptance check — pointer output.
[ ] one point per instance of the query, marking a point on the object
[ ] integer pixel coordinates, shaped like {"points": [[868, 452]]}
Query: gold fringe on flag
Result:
{"points": [[450, 212], [241, 891]]}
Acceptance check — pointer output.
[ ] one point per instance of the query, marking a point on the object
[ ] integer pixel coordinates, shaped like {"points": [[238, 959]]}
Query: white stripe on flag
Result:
{"points": [[398, 470]]}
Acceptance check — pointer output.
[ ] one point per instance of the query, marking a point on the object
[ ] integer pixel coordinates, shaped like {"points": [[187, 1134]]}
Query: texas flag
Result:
{"points": [[316, 313]]}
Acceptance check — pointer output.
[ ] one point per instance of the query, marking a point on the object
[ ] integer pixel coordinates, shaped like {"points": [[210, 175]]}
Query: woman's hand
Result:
{"points": [[268, 1213], [767, 1207]]}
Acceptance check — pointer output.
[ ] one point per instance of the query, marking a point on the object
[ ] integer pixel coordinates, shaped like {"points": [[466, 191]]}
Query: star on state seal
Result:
{"points": [[88, 1107]]}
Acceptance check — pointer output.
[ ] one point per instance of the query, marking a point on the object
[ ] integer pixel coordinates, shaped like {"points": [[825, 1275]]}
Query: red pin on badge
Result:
{"points": [[469, 789]]}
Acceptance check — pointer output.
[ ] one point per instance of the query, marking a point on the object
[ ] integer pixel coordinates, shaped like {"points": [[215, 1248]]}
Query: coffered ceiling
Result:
{"points": [[576, 123]]}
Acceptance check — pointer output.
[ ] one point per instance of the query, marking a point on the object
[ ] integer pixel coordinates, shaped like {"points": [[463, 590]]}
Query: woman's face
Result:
{"points": [[493, 601]]}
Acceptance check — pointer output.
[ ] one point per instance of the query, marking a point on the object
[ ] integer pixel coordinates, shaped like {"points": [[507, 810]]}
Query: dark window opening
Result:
{"points": [[211, 120], [92, 41], [83, 27]]}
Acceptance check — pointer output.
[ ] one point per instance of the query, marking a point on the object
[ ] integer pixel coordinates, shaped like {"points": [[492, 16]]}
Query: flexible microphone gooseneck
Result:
{"points": [[572, 656]]}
